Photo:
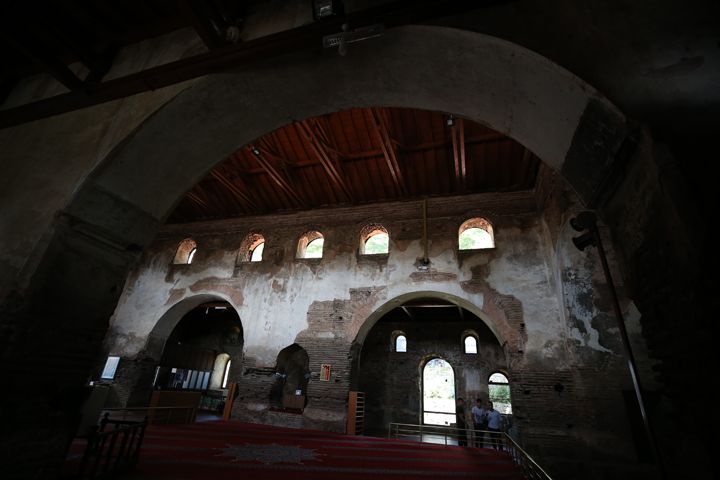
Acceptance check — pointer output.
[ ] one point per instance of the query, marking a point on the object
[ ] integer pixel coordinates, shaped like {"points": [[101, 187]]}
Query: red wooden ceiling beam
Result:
{"points": [[458, 140], [380, 131], [234, 190], [277, 177], [310, 131]]}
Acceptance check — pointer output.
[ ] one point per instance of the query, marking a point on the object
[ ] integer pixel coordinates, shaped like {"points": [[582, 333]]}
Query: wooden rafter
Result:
{"points": [[234, 190], [458, 141], [317, 139], [407, 312], [197, 199], [381, 133], [260, 154], [306, 37], [45, 60]]}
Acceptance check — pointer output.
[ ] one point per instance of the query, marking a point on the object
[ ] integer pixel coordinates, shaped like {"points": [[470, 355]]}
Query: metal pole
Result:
{"points": [[425, 239], [592, 226]]}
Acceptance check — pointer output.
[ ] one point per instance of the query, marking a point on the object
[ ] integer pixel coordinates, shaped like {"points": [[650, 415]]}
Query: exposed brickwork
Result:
{"points": [[392, 381], [332, 324]]}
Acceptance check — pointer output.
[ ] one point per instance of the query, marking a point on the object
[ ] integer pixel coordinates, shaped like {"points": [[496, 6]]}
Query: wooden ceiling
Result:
{"points": [[360, 156]]}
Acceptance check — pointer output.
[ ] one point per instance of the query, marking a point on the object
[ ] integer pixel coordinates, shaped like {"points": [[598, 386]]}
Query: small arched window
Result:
{"points": [[399, 341], [470, 344], [218, 377], [185, 252], [374, 240], [251, 248], [475, 234], [499, 393], [257, 252], [311, 245]]}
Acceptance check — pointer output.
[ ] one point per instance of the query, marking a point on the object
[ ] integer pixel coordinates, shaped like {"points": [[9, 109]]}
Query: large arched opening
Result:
{"points": [[195, 346], [84, 257], [394, 380]]}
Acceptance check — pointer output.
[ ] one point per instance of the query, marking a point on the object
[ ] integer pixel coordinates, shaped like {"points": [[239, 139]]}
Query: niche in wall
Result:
{"points": [[289, 390]]}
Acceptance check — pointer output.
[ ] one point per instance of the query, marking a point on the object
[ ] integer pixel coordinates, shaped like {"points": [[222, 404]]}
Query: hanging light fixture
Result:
{"points": [[327, 8]]}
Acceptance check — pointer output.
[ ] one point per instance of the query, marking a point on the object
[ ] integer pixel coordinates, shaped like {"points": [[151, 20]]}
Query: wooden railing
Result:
{"points": [[154, 415], [455, 436], [112, 449]]}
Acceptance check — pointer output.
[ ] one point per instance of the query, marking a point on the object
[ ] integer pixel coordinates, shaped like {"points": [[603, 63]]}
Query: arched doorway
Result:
{"points": [[438, 387], [394, 380], [192, 347], [289, 391]]}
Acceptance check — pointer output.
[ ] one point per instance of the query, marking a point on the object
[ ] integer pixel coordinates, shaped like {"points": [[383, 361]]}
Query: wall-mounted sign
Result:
{"points": [[325, 372], [110, 368]]}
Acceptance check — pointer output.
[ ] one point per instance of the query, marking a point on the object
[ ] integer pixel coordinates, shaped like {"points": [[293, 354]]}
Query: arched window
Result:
{"points": [[311, 245], [374, 240], [438, 393], [475, 234], [218, 377], [499, 393], [185, 252], [398, 340], [470, 344], [251, 248]]}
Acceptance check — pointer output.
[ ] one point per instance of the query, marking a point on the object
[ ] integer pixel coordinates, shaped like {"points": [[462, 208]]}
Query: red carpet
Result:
{"points": [[234, 450]]}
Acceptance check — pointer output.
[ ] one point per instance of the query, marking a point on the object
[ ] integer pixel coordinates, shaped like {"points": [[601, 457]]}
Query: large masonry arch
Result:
{"points": [[81, 261], [512, 90], [399, 300]]}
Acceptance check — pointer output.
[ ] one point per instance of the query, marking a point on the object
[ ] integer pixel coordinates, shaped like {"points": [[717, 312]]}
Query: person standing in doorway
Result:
{"points": [[479, 415], [460, 422], [494, 425]]}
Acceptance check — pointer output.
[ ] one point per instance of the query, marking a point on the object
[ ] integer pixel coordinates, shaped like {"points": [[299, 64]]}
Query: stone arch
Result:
{"points": [[118, 208], [375, 316], [167, 322], [81, 261], [135, 385], [514, 91]]}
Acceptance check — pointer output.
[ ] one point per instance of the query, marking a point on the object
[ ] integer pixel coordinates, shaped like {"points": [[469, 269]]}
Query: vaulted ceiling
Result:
{"points": [[360, 156]]}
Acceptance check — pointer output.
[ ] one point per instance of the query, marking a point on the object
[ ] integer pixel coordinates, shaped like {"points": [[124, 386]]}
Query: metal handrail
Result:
{"points": [[109, 452], [500, 440]]}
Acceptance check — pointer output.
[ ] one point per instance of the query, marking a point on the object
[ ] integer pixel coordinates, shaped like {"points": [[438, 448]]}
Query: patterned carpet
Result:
{"points": [[233, 450]]}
